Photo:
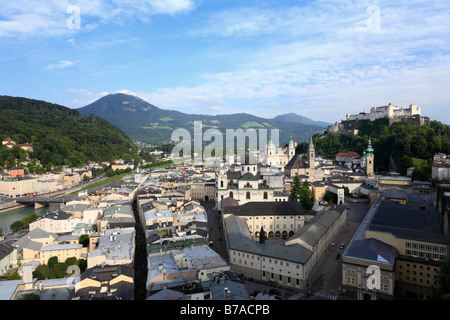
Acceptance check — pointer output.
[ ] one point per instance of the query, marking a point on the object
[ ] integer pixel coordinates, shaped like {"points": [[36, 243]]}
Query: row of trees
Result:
{"points": [[57, 270]]}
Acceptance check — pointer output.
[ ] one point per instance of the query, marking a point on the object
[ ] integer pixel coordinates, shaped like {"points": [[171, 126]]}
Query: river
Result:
{"points": [[9, 217]]}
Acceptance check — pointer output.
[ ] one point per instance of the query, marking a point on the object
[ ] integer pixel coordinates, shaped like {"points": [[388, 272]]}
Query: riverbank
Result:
{"points": [[8, 206]]}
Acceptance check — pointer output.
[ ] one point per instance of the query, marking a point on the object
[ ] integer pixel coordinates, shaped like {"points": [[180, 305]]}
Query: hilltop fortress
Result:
{"points": [[393, 113]]}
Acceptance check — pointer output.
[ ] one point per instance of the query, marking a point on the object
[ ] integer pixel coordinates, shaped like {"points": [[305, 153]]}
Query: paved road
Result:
{"points": [[327, 275], [216, 232]]}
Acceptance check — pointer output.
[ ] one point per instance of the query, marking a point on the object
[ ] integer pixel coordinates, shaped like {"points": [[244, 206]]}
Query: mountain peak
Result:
{"points": [[118, 102]]}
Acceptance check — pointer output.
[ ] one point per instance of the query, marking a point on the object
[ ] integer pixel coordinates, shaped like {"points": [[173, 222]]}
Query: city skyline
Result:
{"points": [[319, 59]]}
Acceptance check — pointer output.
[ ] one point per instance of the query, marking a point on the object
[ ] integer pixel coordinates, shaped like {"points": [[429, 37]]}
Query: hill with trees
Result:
{"points": [[145, 122], [397, 148], [59, 135]]}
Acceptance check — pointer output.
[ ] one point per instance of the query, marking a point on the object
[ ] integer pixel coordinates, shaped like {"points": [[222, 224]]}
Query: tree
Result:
{"points": [[52, 262], [295, 189], [41, 272], [84, 240], [442, 291], [301, 192], [17, 225], [28, 219], [71, 261], [58, 271], [306, 198]]}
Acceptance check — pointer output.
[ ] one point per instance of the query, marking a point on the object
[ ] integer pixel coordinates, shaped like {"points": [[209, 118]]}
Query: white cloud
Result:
{"points": [[171, 6], [62, 64], [327, 59], [52, 18]]}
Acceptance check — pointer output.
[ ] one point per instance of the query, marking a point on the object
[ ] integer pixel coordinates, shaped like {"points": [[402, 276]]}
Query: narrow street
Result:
{"points": [[140, 258]]}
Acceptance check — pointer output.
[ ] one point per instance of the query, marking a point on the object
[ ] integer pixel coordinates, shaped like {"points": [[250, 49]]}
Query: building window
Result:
{"points": [[265, 195], [247, 196]]}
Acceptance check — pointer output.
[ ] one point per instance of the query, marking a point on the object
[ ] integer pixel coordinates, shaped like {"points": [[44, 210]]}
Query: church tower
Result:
{"points": [[369, 159], [271, 154], [291, 149], [311, 155], [221, 178]]}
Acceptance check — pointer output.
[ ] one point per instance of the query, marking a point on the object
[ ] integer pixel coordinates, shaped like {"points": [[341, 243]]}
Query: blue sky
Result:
{"points": [[319, 59]]}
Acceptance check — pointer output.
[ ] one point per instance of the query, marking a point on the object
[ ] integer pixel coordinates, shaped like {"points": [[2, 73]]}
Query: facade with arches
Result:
{"points": [[278, 219], [249, 184]]}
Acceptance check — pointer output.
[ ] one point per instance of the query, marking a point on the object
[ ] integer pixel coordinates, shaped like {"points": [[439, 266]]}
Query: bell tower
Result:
{"points": [[370, 159], [311, 154]]}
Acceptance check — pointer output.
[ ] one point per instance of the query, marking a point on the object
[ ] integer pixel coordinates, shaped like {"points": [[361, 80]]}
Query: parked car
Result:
{"points": [[342, 245]]}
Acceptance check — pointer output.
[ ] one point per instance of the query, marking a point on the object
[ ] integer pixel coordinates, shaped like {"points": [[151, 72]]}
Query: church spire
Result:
{"points": [[311, 144]]}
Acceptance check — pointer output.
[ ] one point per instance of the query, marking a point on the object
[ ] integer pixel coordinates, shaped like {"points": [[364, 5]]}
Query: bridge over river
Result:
{"points": [[41, 201]]}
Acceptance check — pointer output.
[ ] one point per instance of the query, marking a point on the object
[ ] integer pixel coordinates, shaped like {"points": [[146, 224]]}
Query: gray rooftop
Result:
{"points": [[372, 250], [408, 221], [266, 208]]}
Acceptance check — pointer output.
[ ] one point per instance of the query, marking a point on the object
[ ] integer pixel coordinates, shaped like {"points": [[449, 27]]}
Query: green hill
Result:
{"points": [[397, 148], [59, 135], [145, 122]]}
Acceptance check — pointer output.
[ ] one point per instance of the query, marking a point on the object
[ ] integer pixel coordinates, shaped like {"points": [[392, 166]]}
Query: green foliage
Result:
{"points": [[395, 147], [14, 276], [58, 271], [112, 173], [82, 264], [60, 136], [302, 192], [41, 272], [28, 219], [16, 225], [84, 240], [71, 261], [30, 296], [157, 164], [153, 125], [330, 197], [442, 291], [52, 262]]}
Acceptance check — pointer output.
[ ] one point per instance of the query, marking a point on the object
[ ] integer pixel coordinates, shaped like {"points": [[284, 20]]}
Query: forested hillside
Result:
{"points": [[59, 135], [397, 148]]}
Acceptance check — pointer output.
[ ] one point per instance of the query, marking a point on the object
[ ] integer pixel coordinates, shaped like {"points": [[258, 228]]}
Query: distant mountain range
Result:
{"points": [[293, 117], [145, 122]]}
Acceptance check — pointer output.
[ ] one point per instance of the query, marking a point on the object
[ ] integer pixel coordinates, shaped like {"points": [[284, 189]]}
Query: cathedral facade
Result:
{"points": [[249, 183]]}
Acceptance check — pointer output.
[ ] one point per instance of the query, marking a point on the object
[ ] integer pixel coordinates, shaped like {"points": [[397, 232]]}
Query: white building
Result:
{"points": [[440, 170], [389, 111], [56, 222], [179, 267], [249, 184], [288, 264], [115, 246]]}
